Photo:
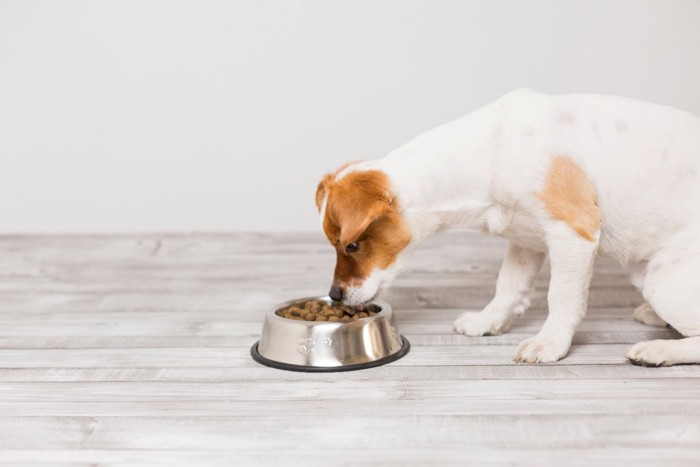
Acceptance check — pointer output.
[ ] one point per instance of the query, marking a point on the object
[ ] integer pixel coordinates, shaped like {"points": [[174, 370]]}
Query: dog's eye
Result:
{"points": [[352, 247]]}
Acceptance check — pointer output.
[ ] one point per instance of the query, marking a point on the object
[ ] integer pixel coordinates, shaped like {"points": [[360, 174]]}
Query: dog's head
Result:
{"points": [[361, 218]]}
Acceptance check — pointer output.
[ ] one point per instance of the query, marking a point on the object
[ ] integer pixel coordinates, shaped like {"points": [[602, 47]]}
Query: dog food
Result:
{"points": [[318, 310]]}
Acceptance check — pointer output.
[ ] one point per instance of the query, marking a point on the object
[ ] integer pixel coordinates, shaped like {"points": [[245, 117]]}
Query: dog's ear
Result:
{"points": [[362, 198], [322, 190], [354, 223]]}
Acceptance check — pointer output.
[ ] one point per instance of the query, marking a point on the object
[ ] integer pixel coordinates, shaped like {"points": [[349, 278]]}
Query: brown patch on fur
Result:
{"points": [[569, 196], [361, 208]]}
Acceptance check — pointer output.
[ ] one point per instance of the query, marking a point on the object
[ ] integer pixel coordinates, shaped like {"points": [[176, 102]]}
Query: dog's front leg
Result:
{"points": [[571, 259], [513, 287]]}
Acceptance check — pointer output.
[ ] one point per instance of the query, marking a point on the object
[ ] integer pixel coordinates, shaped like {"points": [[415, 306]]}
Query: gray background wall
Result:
{"points": [[211, 115]]}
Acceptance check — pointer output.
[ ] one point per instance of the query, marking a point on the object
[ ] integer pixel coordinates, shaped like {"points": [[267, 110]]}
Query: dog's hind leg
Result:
{"points": [[515, 283], [665, 352], [645, 314], [672, 288]]}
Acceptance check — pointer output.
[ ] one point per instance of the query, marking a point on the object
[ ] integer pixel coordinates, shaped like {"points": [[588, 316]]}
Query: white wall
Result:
{"points": [[213, 115]]}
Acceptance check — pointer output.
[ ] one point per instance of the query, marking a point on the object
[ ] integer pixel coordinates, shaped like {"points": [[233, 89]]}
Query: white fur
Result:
{"points": [[372, 286], [483, 171], [378, 281], [644, 313], [324, 205]]}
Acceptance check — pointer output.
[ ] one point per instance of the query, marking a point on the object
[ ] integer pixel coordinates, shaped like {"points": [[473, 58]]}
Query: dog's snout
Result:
{"points": [[336, 293]]}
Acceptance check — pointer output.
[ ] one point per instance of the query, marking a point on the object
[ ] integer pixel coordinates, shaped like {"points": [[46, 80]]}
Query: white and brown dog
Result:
{"points": [[570, 176]]}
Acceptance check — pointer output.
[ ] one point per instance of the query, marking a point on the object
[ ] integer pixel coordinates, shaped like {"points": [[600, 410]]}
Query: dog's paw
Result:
{"points": [[475, 324], [652, 353], [542, 349], [644, 313]]}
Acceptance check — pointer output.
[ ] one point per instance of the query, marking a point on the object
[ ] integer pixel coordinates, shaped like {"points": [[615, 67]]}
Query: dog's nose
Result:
{"points": [[336, 293]]}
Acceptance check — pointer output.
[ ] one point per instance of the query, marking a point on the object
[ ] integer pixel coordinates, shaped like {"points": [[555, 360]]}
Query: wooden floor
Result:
{"points": [[135, 350]]}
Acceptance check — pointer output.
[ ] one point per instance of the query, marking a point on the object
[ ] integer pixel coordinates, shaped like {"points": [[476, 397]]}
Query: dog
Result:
{"points": [[569, 176]]}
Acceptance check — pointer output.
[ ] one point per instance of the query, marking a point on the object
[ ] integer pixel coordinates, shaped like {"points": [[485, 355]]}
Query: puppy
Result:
{"points": [[571, 176]]}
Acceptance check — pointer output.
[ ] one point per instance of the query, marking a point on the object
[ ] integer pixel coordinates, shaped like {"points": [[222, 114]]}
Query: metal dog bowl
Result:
{"points": [[297, 345]]}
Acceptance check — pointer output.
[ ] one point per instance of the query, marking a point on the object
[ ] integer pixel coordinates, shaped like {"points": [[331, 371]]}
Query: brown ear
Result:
{"points": [[322, 190], [354, 223], [363, 198]]}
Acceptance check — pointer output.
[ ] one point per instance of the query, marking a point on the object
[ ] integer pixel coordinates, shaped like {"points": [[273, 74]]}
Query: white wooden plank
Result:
{"points": [[346, 455], [326, 389], [262, 374], [274, 432], [164, 407]]}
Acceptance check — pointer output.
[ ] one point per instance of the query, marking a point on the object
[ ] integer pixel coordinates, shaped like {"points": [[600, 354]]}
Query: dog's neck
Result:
{"points": [[442, 208], [436, 195], [443, 179]]}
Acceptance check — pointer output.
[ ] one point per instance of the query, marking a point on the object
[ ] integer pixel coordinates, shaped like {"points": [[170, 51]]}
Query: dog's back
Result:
{"points": [[643, 159]]}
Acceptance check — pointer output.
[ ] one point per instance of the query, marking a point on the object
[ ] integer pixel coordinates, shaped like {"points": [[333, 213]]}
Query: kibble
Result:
{"points": [[319, 310]]}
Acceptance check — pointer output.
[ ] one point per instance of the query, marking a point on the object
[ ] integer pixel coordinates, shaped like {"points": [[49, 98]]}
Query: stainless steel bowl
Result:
{"points": [[329, 345]]}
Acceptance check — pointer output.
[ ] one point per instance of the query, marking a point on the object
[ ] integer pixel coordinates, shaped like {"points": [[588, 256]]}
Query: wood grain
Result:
{"points": [[126, 350]]}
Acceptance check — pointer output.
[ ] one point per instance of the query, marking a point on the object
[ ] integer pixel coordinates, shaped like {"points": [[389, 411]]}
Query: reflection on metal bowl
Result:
{"points": [[329, 345]]}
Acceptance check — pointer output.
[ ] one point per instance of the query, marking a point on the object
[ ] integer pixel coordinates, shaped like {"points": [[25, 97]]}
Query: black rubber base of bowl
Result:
{"points": [[329, 369]]}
